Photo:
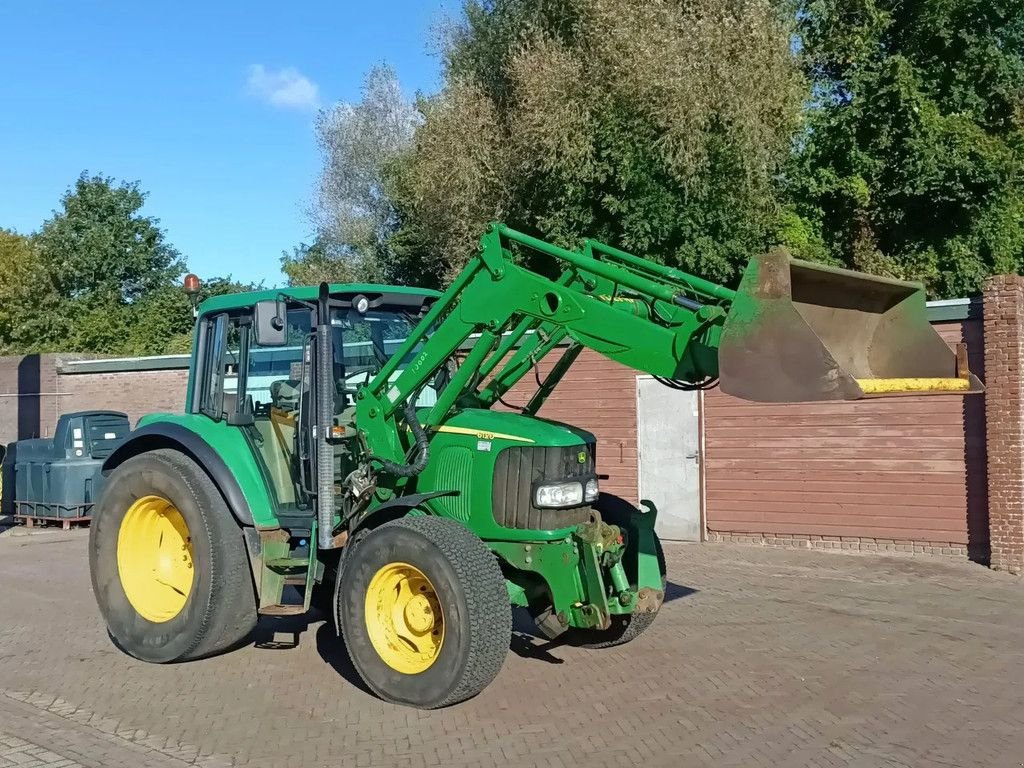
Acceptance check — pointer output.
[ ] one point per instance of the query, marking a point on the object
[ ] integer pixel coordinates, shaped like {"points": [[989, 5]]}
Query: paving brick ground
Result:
{"points": [[761, 658]]}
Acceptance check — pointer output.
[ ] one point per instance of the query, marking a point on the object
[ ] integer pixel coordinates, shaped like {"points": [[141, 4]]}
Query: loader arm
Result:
{"points": [[648, 323], [793, 331]]}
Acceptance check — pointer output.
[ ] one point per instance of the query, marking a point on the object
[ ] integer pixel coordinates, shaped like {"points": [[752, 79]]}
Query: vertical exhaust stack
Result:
{"points": [[324, 399], [801, 332]]}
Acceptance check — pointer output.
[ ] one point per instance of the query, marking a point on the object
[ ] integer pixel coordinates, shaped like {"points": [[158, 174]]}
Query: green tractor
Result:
{"points": [[340, 444]]}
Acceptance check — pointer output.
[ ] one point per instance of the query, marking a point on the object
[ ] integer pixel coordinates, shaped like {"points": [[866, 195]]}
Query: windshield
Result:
{"points": [[362, 345], [364, 342]]}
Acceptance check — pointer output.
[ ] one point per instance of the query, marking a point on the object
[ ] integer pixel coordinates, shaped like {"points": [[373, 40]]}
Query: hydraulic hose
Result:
{"points": [[422, 448]]}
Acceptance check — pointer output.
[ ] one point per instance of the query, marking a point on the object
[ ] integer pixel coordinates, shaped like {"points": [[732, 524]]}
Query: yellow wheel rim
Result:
{"points": [[404, 618], [154, 558]]}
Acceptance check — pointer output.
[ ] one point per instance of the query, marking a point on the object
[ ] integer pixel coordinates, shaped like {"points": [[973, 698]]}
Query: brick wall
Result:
{"points": [[1004, 410], [892, 474], [36, 389], [133, 392], [30, 395]]}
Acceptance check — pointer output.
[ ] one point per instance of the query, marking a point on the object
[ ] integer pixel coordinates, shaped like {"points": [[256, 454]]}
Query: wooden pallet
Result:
{"points": [[32, 519], [67, 523]]}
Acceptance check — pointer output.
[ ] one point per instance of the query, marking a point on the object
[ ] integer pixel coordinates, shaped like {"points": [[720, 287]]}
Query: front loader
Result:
{"points": [[348, 444]]}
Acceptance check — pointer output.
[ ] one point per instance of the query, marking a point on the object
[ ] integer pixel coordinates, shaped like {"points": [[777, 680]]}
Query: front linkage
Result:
{"points": [[596, 572]]}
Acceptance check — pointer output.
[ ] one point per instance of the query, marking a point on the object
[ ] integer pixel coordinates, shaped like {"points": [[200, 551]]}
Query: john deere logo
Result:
{"points": [[581, 457]]}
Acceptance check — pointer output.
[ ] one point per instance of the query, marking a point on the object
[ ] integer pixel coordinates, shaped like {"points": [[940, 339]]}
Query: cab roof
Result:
{"points": [[230, 301]]}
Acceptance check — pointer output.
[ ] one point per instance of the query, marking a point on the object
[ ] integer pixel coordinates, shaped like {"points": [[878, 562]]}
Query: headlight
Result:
{"points": [[558, 495], [591, 491]]}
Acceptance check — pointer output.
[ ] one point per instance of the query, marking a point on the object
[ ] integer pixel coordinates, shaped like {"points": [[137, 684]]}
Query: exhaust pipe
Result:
{"points": [[324, 423]]}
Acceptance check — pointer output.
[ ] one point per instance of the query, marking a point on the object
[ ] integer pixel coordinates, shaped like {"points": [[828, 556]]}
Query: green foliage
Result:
{"points": [[656, 126], [913, 161], [29, 303], [320, 263], [101, 248], [97, 277], [353, 212]]}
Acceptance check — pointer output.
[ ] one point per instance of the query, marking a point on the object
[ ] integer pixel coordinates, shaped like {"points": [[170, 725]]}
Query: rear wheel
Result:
{"points": [[424, 612], [168, 562]]}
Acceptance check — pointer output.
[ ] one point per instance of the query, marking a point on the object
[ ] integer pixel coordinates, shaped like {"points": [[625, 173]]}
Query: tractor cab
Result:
{"points": [[255, 369]]}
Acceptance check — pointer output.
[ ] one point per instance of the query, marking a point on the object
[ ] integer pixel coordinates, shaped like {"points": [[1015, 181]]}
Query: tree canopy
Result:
{"points": [[877, 134], [913, 161], [658, 126], [353, 213], [99, 276]]}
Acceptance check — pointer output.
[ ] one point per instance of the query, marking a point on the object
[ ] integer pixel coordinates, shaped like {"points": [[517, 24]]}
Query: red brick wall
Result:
{"points": [[1004, 409], [133, 392], [29, 396], [36, 389], [903, 474]]}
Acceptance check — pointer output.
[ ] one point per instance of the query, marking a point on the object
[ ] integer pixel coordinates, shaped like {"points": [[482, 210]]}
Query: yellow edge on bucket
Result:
{"points": [[879, 386]]}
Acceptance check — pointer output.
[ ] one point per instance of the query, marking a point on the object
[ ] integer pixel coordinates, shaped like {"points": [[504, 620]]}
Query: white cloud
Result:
{"points": [[286, 88]]}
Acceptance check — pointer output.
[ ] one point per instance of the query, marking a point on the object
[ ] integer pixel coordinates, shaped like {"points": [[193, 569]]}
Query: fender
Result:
{"points": [[395, 508], [167, 435]]}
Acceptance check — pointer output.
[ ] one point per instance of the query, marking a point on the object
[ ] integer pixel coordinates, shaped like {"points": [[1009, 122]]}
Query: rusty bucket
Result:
{"points": [[800, 332]]}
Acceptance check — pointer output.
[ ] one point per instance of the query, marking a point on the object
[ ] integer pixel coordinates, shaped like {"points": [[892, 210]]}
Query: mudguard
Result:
{"points": [[174, 436]]}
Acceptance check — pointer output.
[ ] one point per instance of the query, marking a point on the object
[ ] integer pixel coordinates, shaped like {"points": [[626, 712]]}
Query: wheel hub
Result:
{"points": [[404, 618], [154, 558]]}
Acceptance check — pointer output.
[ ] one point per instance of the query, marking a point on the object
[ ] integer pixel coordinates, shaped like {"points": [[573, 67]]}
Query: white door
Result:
{"points": [[669, 448]]}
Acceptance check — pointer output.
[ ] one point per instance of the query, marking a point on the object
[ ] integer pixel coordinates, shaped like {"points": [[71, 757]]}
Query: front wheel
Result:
{"points": [[168, 563], [424, 612]]}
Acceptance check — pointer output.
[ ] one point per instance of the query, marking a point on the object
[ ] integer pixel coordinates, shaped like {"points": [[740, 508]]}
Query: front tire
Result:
{"points": [[168, 563], [424, 612]]}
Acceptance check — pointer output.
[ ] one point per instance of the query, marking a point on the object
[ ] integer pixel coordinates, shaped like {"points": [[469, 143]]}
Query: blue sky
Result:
{"points": [[209, 105]]}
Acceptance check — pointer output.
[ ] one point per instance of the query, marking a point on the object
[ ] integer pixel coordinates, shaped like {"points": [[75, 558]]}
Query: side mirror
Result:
{"points": [[269, 323]]}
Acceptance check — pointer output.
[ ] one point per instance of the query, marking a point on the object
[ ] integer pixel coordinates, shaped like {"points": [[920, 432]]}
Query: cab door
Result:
{"points": [[261, 391]]}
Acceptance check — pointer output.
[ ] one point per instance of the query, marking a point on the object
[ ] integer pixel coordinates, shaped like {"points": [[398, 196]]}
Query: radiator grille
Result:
{"points": [[516, 471], [456, 471]]}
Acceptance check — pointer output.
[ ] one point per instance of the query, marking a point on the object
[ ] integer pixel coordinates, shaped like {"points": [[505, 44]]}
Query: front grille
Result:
{"points": [[517, 469]]}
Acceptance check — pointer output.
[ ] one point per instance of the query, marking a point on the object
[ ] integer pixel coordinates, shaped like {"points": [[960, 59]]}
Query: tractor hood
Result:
{"points": [[514, 428]]}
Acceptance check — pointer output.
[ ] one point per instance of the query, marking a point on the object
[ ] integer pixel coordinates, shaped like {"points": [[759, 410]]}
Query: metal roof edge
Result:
{"points": [[950, 310], [125, 364]]}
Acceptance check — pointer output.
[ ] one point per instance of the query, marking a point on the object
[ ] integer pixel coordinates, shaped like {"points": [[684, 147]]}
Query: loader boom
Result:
{"points": [[502, 318]]}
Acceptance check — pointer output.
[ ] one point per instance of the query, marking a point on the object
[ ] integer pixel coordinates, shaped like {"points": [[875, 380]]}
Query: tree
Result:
{"points": [[353, 213], [658, 126], [98, 277], [28, 298], [162, 322], [913, 161], [100, 246], [313, 264], [105, 260]]}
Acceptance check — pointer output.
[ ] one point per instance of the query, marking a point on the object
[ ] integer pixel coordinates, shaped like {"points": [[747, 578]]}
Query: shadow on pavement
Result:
{"points": [[332, 650], [281, 633], [285, 633], [529, 642]]}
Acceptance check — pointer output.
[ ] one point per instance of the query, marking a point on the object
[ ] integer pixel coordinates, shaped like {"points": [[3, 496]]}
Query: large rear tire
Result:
{"points": [[168, 562], [424, 612]]}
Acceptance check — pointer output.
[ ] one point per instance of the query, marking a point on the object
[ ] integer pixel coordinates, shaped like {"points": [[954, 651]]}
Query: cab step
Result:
{"points": [[282, 610], [288, 566]]}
